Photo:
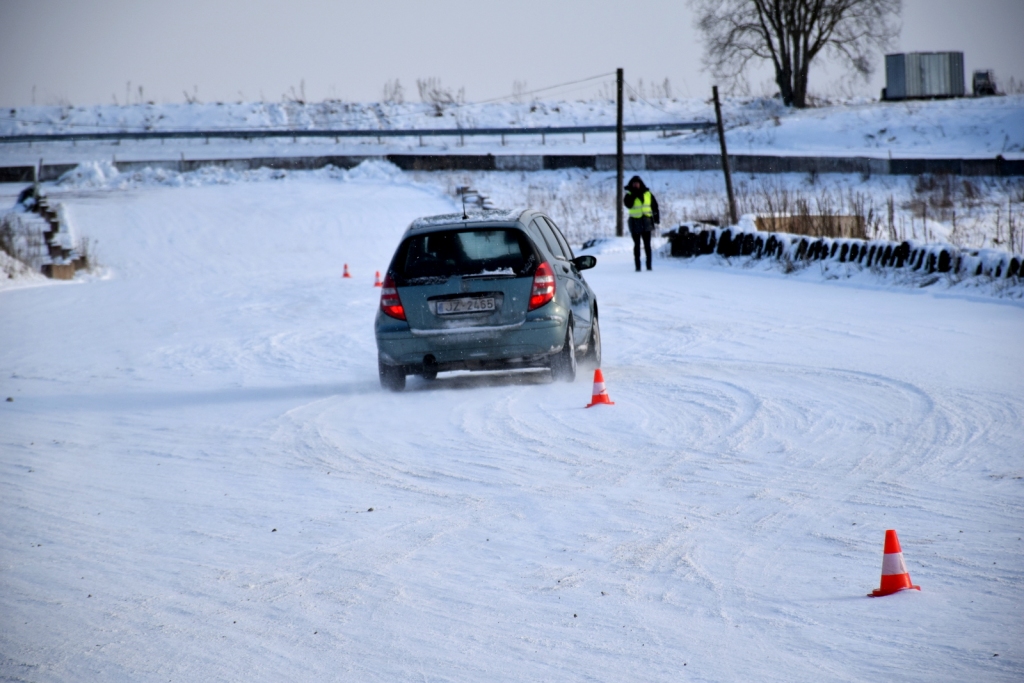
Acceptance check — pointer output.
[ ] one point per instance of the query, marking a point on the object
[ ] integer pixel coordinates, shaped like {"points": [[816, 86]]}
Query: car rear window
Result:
{"points": [[500, 251]]}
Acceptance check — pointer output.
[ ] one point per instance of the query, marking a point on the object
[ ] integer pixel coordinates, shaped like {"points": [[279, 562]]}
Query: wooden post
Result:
{"points": [[619, 165], [725, 158]]}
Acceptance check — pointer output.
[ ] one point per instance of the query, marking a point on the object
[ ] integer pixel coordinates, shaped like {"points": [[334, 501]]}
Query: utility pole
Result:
{"points": [[725, 158], [619, 165]]}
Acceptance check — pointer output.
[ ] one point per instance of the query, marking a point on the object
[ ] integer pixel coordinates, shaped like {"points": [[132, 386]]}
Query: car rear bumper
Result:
{"points": [[527, 344]]}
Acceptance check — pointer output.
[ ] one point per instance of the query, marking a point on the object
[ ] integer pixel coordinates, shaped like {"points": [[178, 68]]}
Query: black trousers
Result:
{"points": [[640, 229]]}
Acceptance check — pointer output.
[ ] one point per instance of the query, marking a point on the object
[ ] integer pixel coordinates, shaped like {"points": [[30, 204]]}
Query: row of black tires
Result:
{"points": [[686, 244]]}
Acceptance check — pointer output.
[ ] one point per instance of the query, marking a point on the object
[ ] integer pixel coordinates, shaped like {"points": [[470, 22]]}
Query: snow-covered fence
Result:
{"points": [[740, 163], [695, 239]]}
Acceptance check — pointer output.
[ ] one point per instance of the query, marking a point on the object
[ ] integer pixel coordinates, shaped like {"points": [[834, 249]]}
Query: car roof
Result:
{"points": [[491, 217]]}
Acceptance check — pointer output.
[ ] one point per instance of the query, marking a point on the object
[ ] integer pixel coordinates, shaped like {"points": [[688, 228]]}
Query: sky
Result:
{"points": [[87, 52]]}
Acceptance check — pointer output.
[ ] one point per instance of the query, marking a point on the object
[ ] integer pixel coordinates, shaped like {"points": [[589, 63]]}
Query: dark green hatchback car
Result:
{"points": [[494, 290]]}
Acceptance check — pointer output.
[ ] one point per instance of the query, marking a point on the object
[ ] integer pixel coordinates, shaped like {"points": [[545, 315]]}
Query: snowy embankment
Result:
{"points": [[963, 128], [196, 442], [968, 214]]}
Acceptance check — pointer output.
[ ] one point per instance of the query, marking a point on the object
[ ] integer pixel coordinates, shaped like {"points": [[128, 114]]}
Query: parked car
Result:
{"points": [[495, 290]]}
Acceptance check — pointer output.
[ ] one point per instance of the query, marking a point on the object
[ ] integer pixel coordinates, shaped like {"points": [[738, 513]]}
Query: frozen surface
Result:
{"points": [[976, 212], [197, 437], [959, 128]]}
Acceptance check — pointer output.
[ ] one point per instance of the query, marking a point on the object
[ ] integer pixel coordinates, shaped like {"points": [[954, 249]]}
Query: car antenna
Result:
{"points": [[464, 216]]}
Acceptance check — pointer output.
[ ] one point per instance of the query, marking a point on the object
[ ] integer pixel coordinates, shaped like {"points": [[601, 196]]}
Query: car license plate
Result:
{"points": [[465, 305]]}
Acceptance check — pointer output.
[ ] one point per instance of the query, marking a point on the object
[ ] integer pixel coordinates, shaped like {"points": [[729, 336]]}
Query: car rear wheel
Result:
{"points": [[563, 367], [594, 347], [392, 377]]}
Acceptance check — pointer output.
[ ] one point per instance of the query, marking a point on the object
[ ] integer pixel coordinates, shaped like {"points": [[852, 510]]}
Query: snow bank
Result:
{"points": [[617, 245], [104, 175], [578, 201], [91, 174], [374, 170], [15, 274], [960, 128]]}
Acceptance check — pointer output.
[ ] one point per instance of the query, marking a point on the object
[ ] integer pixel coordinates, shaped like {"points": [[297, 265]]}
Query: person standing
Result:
{"points": [[643, 216]]}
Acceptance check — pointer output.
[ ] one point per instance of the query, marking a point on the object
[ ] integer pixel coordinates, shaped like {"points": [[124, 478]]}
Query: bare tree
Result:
{"points": [[518, 91], [432, 93], [791, 33], [394, 93]]}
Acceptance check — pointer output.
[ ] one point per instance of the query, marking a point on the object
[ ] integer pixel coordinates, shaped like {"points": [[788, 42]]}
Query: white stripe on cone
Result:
{"points": [[893, 564]]}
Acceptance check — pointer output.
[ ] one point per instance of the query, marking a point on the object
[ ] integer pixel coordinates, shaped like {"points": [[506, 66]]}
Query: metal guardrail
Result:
{"points": [[433, 161], [348, 133]]}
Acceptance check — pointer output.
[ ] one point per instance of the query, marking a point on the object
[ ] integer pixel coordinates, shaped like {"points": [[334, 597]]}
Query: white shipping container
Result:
{"points": [[924, 74]]}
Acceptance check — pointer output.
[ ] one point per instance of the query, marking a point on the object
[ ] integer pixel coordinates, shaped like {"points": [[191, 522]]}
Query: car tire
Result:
{"points": [[392, 377], [593, 356], [563, 367]]}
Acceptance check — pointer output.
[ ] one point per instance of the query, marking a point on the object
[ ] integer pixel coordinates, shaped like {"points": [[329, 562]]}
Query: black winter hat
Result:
{"points": [[636, 179]]}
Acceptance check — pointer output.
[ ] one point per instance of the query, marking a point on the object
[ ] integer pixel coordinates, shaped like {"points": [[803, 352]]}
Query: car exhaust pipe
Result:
{"points": [[429, 366]]}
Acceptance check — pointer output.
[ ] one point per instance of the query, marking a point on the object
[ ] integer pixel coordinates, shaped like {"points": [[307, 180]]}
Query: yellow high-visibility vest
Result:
{"points": [[640, 209]]}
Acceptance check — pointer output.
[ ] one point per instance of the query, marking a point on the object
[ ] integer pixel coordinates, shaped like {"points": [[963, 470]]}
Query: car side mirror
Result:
{"points": [[584, 262]]}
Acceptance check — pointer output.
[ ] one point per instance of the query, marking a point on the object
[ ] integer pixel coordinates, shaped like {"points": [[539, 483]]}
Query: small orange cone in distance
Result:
{"points": [[600, 392], [376, 280], [895, 577], [345, 273]]}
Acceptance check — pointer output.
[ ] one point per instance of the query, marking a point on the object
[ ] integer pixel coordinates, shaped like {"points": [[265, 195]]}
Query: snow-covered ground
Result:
{"points": [[978, 212], [961, 128], [197, 437]]}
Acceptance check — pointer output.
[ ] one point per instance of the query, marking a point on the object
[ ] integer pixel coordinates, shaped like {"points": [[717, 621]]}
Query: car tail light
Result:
{"points": [[390, 303], [543, 286]]}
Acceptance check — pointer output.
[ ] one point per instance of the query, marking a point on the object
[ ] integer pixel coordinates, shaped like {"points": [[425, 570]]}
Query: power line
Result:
{"points": [[640, 97], [640, 138], [550, 87], [456, 105]]}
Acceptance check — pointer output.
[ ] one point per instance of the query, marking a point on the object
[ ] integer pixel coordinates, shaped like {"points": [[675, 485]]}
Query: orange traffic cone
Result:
{"points": [[345, 272], [895, 576], [600, 393], [376, 280]]}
